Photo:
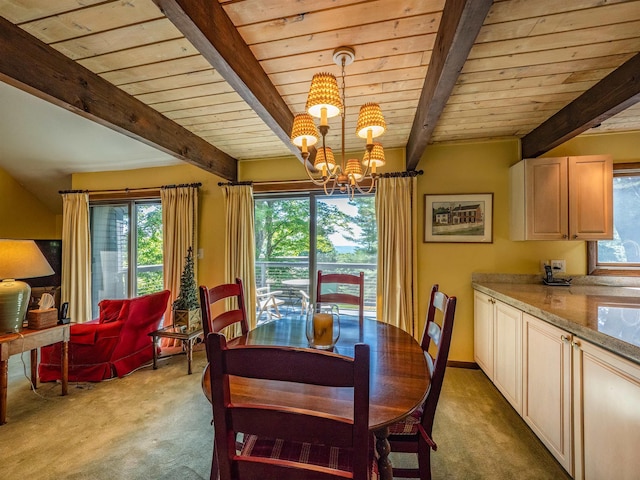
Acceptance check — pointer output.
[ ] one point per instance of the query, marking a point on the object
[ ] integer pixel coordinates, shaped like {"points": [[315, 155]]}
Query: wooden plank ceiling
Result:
{"points": [[530, 60]]}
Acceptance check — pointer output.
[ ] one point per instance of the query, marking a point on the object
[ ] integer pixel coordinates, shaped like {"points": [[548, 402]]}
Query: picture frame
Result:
{"points": [[458, 218]]}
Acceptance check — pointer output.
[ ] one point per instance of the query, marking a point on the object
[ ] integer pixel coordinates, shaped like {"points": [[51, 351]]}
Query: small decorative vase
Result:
{"points": [[323, 325]]}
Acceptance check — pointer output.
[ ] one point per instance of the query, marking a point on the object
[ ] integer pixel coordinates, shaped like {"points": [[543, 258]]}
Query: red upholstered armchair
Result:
{"points": [[112, 345]]}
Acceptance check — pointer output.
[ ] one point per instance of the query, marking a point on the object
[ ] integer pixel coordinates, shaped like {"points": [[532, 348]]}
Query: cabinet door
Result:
{"points": [[483, 332], [546, 399], [547, 206], [591, 197], [507, 363], [607, 414]]}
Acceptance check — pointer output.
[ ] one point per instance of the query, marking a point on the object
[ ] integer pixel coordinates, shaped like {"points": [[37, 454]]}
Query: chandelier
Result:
{"points": [[324, 101]]}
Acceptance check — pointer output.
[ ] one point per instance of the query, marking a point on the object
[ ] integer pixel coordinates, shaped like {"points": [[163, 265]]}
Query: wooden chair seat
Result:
{"points": [[408, 426], [300, 452]]}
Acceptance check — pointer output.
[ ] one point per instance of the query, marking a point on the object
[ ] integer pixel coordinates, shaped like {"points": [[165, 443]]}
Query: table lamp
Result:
{"points": [[18, 259]]}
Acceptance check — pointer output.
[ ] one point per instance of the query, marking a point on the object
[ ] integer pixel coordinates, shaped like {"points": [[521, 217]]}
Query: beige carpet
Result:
{"points": [[156, 425]]}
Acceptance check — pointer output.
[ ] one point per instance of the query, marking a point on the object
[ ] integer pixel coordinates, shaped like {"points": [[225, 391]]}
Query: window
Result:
{"points": [[620, 256], [297, 235], [114, 242]]}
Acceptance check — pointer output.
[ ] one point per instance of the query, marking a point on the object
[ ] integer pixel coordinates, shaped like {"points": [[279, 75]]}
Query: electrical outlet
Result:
{"points": [[558, 266], [543, 263]]}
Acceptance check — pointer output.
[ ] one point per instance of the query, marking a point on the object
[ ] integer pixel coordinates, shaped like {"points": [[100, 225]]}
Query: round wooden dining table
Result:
{"points": [[399, 378]]}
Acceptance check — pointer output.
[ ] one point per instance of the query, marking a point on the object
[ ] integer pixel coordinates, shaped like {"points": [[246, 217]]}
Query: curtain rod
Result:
{"points": [[130, 190], [233, 184], [408, 173]]}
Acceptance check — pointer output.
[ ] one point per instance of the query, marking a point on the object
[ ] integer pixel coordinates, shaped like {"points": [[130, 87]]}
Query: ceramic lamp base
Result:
{"points": [[14, 300]]}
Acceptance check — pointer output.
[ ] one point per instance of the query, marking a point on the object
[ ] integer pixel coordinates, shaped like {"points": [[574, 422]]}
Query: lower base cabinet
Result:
{"points": [[507, 366], [582, 401], [546, 403], [606, 391]]}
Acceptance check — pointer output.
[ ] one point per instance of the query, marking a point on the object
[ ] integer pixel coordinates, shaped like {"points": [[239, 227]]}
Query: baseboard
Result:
{"points": [[458, 364]]}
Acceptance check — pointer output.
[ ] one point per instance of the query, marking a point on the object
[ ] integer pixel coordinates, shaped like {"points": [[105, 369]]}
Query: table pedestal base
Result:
{"points": [[383, 448]]}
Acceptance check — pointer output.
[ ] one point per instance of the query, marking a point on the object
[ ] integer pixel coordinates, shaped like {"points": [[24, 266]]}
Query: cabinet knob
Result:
{"points": [[575, 236], [564, 339], [565, 236], [576, 345]]}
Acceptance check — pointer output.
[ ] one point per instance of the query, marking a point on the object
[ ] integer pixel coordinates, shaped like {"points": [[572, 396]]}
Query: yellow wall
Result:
{"points": [[22, 215], [477, 168], [211, 221], [622, 146], [448, 168]]}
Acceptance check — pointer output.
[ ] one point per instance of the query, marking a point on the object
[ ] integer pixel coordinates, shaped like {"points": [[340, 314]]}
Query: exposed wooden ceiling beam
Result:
{"points": [[459, 27], [50, 75], [614, 93], [208, 27]]}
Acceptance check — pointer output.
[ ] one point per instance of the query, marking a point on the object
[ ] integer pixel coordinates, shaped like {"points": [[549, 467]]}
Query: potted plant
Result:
{"points": [[186, 307]]}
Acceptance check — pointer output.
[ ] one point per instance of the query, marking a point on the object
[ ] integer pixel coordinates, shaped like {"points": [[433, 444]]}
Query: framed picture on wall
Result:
{"points": [[458, 218]]}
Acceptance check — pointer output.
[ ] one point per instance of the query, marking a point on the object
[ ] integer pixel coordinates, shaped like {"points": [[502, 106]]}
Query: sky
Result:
{"points": [[342, 202]]}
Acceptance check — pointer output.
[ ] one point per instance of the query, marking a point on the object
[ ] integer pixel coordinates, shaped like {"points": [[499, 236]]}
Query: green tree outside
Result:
{"points": [[149, 247]]}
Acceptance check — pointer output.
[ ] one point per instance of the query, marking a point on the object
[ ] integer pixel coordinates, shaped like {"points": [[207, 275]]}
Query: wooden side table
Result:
{"points": [[187, 338], [14, 343]]}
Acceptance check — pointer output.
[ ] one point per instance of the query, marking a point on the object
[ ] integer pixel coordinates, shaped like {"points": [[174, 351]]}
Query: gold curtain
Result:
{"points": [[240, 247], [396, 217], [179, 227], [76, 256]]}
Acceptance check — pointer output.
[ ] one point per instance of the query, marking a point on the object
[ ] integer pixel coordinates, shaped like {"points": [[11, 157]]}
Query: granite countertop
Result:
{"points": [[606, 315]]}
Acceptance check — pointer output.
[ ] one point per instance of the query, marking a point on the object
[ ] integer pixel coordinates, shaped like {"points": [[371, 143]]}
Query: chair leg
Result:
{"points": [[424, 460], [214, 466]]}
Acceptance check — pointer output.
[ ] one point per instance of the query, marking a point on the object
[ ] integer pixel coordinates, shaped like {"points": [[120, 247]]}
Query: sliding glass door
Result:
{"points": [[114, 242], [297, 235]]}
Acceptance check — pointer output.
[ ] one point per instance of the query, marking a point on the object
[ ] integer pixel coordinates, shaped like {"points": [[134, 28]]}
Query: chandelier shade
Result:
{"points": [[371, 123], [304, 132], [324, 94], [325, 160], [353, 169], [374, 158]]}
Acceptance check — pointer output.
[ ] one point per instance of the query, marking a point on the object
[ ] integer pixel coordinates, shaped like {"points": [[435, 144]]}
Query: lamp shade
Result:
{"points": [[323, 161], [304, 129], [370, 120], [353, 169], [18, 259], [22, 259], [375, 157], [324, 93]]}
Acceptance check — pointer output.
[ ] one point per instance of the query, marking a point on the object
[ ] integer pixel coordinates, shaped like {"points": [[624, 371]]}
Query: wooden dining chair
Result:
{"points": [[209, 296], [286, 442], [335, 296], [414, 433]]}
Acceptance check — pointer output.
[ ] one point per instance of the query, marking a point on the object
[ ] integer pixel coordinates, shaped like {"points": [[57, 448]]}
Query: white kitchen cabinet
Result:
{"points": [[606, 391], [563, 198], [547, 394], [507, 356], [497, 345], [483, 332]]}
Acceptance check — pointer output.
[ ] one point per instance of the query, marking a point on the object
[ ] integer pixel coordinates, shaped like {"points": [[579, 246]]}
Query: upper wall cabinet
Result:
{"points": [[564, 198]]}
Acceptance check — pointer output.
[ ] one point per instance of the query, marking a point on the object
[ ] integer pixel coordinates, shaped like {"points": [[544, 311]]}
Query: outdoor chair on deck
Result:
{"points": [[286, 442], [414, 433], [334, 295], [268, 303]]}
